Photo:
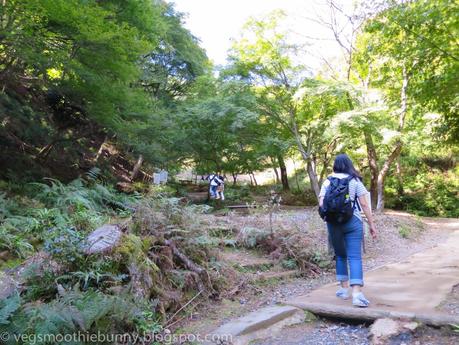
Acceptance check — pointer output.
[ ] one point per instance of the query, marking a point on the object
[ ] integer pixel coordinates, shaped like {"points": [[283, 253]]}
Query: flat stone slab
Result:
{"points": [[261, 318], [103, 239], [413, 288], [258, 324]]}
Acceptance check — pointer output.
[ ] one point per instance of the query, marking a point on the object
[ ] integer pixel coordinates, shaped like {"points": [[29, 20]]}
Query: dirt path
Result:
{"points": [[417, 252], [418, 284]]}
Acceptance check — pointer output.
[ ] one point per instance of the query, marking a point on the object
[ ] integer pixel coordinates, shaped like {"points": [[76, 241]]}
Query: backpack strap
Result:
{"points": [[356, 200]]}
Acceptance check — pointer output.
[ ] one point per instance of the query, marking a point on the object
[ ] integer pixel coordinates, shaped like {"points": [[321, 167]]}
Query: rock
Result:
{"points": [[36, 266], [411, 326], [103, 239], [383, 329], [7, 285], [5, 255]]}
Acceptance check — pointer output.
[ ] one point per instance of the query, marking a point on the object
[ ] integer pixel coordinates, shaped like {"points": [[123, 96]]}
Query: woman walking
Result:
{"points": [[341, 199]]}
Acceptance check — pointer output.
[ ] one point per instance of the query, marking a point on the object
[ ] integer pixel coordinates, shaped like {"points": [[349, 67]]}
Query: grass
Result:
{"points": [[404, 231]]}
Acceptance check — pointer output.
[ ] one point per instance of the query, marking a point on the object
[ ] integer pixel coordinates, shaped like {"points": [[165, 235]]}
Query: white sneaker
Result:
{"points": [[343, 293], [359, 300]]}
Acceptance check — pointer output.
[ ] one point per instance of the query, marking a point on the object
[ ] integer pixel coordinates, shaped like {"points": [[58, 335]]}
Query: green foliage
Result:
{"points": [[427, 192], [290, 264], [404, 231], [93, 68], [57, 217], [294, 108], [455, 328], [220, 129], [75, 311], [79, 196], [8, 307], [321, 259], [65, 244], [250, 237], [238, 194], [420, 35]]}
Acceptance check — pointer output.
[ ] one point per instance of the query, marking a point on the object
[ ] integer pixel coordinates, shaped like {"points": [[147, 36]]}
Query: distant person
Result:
{"points": [[220, 189], [214, 182], [341, 199]]}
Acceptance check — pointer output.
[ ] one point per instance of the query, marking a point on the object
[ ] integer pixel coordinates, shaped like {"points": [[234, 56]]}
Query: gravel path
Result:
{"points": [[320, 333], [329, 333], [451, 304]]}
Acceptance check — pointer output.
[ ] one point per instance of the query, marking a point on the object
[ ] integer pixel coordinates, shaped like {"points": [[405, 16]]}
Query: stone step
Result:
{"points": [[259, 264], [260, 324], [246, 259], [262, 276]]}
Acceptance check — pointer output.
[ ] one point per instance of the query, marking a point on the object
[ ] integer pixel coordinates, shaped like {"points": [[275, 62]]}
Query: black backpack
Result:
{"points": [[337, 207]]}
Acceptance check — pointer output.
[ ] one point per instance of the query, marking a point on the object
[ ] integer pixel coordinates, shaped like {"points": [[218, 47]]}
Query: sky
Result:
{"points": [[216, 22]]}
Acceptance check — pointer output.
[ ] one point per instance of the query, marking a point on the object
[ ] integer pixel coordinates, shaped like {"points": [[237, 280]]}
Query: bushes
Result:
{"points": [[52, 212], [238, 194], [428, 194]]}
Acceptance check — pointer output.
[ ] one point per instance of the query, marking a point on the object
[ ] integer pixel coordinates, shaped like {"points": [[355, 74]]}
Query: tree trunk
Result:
{"points": [[398, 144], [136, 169], [313, 179], [234, 179], [276, 173], [383, 173], [310, 169], [283, 170], [374, 170], [101, 149], [254, 180]]}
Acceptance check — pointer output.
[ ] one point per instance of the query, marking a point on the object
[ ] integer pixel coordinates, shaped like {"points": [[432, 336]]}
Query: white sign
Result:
{"points": [[163, 176], [156, 178]]}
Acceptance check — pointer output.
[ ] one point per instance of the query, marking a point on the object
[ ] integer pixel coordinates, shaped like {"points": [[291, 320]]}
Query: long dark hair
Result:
{"points": [[343, 164]]}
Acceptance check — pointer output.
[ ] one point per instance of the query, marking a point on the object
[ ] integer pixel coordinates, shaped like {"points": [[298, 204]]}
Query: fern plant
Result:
{"points": [[8, 307], [250, 237], [93, 174], [73, 311]]}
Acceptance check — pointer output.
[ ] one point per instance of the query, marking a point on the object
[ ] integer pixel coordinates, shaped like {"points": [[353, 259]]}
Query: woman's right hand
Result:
{"points": [[373, 232]]}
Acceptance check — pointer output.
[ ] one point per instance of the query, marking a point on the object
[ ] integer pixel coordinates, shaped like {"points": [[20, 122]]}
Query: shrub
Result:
{"points": [[404, 231], [428, 194], [250, 237]]}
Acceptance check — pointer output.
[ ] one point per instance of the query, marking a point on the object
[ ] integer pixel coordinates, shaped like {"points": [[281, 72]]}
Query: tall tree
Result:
{"points": [[265, 58], [395, 53], [220, 129]]}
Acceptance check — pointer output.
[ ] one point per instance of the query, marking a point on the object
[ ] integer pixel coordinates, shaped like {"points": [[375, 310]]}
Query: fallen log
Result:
{"points": [[192, 266], [188, 263], [371, 314]]}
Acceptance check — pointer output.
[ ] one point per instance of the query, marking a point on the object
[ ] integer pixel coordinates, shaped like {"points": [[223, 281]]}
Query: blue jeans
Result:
{"points": [[213, 191], [347, 243]]}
